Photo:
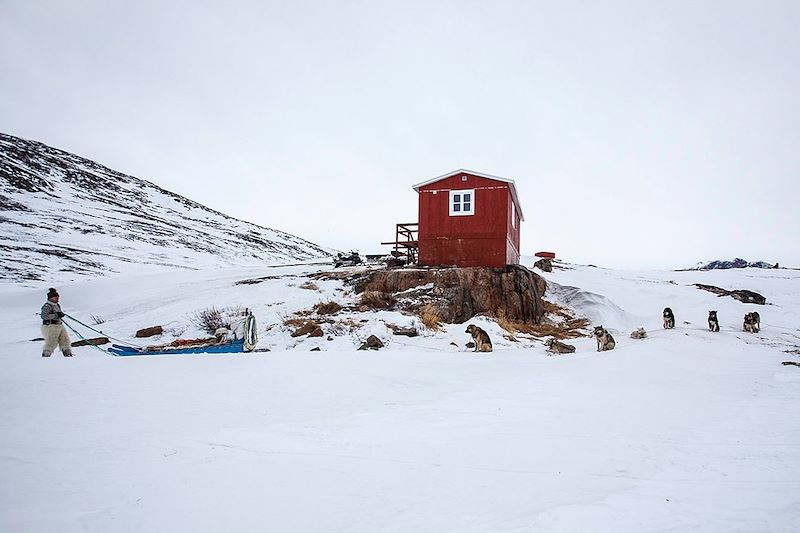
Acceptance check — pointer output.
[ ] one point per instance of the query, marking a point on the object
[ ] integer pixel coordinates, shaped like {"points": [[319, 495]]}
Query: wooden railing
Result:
{"points": [[405, 241]]}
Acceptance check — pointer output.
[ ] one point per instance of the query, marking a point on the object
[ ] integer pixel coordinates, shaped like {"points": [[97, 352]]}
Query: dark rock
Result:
{"points": [[317, 349], [316, 332], [372, 343], [544, 265], [736, 263], [743, 295], [461, 293], [408, 332], [149, 332], [97, 341]]}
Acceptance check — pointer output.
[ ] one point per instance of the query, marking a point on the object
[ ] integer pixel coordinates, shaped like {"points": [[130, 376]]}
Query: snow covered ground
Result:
{"points": [[686, 430]]}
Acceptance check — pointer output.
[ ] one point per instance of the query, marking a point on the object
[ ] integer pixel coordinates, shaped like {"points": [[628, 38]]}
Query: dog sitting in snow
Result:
{"points": [[640, 333], [605, 341], [669, 318], [481, 338], [752, 322], [713, 323]]}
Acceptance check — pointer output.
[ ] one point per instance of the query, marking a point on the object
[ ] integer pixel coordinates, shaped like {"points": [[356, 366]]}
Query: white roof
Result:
{"points": [[480, 175]]}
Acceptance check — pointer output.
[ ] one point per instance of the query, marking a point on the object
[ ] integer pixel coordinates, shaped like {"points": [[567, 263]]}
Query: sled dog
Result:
{"points": [[604, 339], [669, 318], [752, 322], [481, 338], [639, 334], [713, 323], [555, 346]]}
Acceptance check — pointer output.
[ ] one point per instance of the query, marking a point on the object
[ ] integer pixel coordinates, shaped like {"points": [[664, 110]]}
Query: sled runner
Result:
{"points": [[236, 346]]}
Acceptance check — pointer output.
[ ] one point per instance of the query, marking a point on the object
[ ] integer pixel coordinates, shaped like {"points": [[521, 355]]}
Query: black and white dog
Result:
{"points": [[669, 318], [713, 323]]}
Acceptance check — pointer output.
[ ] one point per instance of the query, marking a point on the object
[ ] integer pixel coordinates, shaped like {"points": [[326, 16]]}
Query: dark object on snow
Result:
{"points": [[317, 349], [794, 363], [555, 346], [97, 341], [316, 332], [373, 343], [470, 344], [262, 350], [544, 265], [736, 263], [752, 322], [744, 296], [149, 332], [408, 332], [668, 318], [351, 259], [37, 339]]}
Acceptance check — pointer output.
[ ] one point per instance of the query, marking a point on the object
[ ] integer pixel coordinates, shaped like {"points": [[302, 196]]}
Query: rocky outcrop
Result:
{"points": [[544, 265], [372, 343], [149, 332], [461, 293], [743, 295]]}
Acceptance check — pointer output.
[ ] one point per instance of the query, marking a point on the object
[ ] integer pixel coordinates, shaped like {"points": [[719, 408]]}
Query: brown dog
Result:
{"points": [[481, 338], [752, 322]]}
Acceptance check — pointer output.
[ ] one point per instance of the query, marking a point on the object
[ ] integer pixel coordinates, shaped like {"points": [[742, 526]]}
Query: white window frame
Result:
{"points": [[461, 212]]}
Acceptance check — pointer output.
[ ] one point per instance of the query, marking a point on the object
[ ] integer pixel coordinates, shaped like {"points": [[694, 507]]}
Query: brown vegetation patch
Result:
{"points": [[327, 308], [310, 286], [565, 325], [343, 327], [431, 317], [377, 299], [294, 321]]}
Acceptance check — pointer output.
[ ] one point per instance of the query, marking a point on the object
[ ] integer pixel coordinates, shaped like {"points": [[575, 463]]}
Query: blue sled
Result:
{"points": [[236, 346]]}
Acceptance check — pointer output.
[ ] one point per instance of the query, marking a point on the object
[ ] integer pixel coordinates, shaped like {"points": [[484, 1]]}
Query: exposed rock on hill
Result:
{"points": [[743, 295], [461, 293], [733, 263], [63, 216]]}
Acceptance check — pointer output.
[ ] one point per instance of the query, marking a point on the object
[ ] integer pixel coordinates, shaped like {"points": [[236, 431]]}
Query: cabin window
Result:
{"points": [[462, 202]]}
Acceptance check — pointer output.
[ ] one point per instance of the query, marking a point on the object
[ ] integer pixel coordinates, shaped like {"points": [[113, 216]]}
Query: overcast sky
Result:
{"points": [[639, 134]]}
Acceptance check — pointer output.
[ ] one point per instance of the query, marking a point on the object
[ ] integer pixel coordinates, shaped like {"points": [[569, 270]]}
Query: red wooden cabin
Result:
{"points": [[468, 219]]}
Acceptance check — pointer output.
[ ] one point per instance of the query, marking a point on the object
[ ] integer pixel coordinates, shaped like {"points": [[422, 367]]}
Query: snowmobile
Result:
{"points": [[347, 260]]}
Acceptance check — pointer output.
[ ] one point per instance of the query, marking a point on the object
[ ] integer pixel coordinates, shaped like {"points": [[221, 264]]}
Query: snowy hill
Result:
{"points": [[63, 217], [686, 430]]}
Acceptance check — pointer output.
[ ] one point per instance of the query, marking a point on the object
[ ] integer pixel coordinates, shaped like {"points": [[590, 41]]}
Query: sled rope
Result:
{"points": [[89, 343], [98, 331]]}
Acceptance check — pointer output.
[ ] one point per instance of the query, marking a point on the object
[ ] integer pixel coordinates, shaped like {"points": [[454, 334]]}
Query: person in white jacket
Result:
{"points": [[53, 330]]}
